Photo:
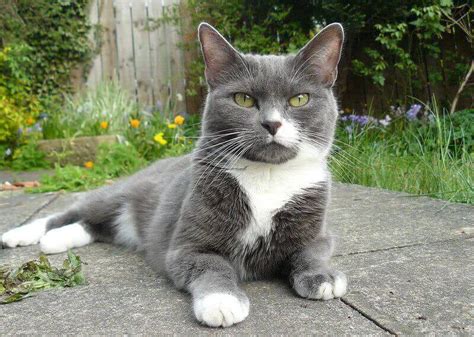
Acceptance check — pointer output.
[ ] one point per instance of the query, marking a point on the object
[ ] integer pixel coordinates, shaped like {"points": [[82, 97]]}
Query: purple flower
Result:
{"points": [[158, 105], [363, 120], [37, 127], [343, 118], [413, 111], [19, 131]]}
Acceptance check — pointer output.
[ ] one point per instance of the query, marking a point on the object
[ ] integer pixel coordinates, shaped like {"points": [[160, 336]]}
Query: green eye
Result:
{"points": [[299, 100], [244, 100]]}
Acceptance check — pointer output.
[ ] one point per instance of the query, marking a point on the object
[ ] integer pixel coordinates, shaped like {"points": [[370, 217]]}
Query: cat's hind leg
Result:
{"points": [[55, 233], [26, 235]]}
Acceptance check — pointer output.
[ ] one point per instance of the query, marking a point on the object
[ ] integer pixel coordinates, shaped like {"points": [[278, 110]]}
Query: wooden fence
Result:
{"points": [[146, 62]]}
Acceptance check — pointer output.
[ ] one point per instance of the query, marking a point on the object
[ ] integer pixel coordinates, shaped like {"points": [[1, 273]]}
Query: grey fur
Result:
{"points": [[189, 211]]}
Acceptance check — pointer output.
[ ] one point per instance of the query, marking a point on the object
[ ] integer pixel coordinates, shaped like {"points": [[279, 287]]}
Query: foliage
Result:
{"points": [[422, 153], [28, 157], [83, 114], [402, 42], [113, 160], [18, 105], [41, 42], [36, 275], [56, 33]]}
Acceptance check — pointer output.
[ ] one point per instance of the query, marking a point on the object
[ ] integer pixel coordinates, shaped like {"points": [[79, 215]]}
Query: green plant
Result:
{"points": [[113, 160], [105, 109], [56, 33], [36, 275], [18, 105], [431, 157], [29, 157]]}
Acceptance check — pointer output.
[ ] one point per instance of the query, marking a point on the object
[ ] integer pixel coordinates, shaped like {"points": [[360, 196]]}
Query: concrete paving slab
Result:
{"points": [[17, 176], [123, 296], [415, 290], [16, 207], [366, 219], [413, 276]]}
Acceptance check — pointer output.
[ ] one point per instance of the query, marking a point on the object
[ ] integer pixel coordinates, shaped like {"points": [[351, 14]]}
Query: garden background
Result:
{"points": [[130, 71]]}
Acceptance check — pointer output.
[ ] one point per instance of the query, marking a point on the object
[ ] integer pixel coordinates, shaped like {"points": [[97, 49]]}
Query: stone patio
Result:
{"points": [[409, 261]]}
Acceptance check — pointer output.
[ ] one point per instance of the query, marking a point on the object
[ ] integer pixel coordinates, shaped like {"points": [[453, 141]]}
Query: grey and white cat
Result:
{"points": [[248, 203]]}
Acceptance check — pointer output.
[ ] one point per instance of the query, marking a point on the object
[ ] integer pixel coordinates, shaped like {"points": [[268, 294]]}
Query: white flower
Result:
{"points": [[385, 121], [179, 97]]}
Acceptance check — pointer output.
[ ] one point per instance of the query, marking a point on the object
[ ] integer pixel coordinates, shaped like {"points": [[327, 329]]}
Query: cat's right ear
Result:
{"points": [[218, 54]]}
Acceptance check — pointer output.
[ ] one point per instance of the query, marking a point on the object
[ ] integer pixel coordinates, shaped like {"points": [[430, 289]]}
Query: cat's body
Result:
{"points": [[248, 203]]}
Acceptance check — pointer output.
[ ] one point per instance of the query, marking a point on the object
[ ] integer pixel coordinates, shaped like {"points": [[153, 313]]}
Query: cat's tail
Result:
{"points": [[89, 220]]}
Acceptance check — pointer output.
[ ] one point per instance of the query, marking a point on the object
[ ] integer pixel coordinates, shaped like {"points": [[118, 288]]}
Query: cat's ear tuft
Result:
{"points": [[322, 53], [218, 53]]}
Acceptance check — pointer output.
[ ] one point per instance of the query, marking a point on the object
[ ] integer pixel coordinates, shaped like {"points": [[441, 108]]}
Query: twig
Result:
{"points": [[461, 88]]}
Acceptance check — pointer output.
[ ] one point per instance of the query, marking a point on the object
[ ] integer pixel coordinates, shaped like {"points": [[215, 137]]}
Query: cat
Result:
{"points": [[248, 203]]}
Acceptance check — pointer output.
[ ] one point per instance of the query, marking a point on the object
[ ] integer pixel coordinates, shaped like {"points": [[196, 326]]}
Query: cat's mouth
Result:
{"points": [[281, 141]]}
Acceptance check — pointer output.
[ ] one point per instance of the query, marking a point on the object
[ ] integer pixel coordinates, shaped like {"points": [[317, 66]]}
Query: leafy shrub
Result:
{"points": [[29, 157], [18, 105], [56, 32]]}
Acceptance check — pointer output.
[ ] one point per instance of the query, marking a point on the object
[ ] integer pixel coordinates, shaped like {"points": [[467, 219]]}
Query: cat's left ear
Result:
{"points": [[219, 55], [321, 55]]}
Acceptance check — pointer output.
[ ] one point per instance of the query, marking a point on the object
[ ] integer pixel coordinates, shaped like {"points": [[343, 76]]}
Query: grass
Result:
{"points": [[434, 159]]}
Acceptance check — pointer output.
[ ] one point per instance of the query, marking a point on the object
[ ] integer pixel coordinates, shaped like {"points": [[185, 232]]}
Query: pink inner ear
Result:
{"points": [[218, 53], [323, 52]]}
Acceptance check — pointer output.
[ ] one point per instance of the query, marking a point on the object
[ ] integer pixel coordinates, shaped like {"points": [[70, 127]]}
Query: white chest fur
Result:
{"points": [[269, 187]]}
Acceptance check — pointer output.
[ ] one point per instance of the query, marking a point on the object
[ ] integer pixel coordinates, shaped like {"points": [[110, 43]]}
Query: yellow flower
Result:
{"points": [[30, 121], [88, 164], [159, 139], [172, 126], [179, 120], [104, 125], [134, 123]]}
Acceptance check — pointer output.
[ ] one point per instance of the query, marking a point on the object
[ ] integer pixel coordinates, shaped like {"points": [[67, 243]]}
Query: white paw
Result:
{"points": [[328, 290], [63, 238], [220, 309], [26, 235], [320, 286]]}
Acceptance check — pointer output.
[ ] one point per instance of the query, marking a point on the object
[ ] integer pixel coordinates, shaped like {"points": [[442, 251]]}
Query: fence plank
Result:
{"points": [[177, 66], [109, 48], [95, 74], [159, 53], [148, 64], [142, 56], [123, 26]]}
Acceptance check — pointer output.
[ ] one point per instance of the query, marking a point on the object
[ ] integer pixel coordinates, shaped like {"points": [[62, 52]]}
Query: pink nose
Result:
{"points": [[271, 127]]}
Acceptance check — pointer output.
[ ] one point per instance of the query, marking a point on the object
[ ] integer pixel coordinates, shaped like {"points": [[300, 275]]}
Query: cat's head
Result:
{"points": [[271, 108]]}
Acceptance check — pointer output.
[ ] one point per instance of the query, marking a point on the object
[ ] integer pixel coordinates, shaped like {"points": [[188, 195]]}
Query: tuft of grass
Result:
{"points": [[36, 275], [434, 159], [113, 160], [82, 115]]}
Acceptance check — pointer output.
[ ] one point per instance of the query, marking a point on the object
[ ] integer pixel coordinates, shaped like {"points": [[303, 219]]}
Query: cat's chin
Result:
{"points": [[271, 153]]}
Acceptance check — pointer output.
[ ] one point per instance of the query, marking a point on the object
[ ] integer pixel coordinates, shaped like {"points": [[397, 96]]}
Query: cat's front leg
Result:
{"points": [[212, 282], [311, 277]]}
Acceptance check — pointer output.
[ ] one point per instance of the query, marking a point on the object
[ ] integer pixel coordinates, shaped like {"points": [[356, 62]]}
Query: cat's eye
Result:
{"points": [[244, 100], [298, 100]]}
